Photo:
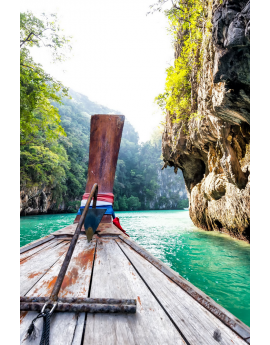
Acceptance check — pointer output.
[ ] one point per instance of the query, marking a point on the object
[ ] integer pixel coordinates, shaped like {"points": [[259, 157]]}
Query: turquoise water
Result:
{"points": [[214, 262]]}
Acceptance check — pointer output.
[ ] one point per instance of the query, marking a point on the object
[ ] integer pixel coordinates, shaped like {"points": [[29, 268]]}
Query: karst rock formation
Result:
{"points": [[215, 154]]}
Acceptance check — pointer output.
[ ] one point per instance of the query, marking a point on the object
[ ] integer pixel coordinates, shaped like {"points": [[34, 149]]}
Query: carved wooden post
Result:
{"points": [[105, 139]]}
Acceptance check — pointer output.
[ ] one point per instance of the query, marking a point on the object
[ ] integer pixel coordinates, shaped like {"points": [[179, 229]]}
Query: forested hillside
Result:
{"points": [[54, 145], [139, 184]]}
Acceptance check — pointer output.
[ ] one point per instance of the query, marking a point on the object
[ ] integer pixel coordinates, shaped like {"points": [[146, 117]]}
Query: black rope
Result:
{"points": [[45, 338]]}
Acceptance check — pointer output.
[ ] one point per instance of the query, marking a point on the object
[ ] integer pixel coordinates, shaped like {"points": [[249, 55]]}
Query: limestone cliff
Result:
{"points": [[214, 153], [42, 201]]}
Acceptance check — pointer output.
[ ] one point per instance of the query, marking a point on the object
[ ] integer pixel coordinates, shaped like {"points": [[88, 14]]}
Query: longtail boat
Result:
{"points": [[90, 283]]}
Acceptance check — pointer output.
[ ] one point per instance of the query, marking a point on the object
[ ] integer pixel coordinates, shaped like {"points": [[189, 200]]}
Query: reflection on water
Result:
{"points": [[214, 262]]}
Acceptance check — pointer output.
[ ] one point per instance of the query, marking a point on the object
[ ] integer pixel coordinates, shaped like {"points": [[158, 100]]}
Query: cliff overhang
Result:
{"points": [[214, 152]]}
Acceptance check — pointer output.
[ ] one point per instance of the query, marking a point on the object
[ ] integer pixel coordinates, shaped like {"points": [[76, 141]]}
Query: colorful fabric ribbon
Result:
{"points": [[104, 200], [108, 197]]}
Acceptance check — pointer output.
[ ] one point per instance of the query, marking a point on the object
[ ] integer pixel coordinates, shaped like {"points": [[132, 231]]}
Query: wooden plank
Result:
{"points": [[34, 267], [221, 313], [114, 277], [37, 249], [198, 325], [35, 243], [104, 229], [66, 328], [64, 237], [109, 229], [68, 230]]}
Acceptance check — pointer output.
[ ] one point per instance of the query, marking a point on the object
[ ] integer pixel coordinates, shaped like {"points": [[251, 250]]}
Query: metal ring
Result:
{"points": [[43, 308], [45, 305], [54, 306]]}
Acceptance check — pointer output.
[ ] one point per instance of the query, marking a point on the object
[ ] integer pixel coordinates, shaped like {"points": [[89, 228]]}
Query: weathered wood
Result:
{"points": [[64, 267], [224, 315], [196, 323], [35, 243], [66, 328], [107, 229], [33, 268], [114, 277], [68, 230], [105, 138], [37, 249]]}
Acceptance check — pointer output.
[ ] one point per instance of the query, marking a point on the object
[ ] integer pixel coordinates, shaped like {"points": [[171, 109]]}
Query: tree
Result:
{"points": [[139, 176], [44, 161], [182, 204], [123, 205], [38, 88], [133, 203]]}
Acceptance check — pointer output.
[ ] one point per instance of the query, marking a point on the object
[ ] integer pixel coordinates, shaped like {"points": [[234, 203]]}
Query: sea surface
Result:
{"points": [[215, 263]]}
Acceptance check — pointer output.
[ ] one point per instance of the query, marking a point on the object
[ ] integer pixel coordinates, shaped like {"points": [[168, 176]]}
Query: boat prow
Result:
{"points": [[169, 309]]}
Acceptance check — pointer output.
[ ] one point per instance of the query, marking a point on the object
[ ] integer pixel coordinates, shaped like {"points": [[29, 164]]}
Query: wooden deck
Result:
{"points": [[170, 310]]}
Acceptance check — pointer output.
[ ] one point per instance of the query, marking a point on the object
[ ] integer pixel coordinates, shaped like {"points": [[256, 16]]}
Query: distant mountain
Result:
{"points": [[88, 107]]}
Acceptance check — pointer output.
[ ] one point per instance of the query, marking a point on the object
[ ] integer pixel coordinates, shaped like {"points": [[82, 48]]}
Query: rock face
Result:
{"points": [[214, 156], [231, 38], [40, 201]]}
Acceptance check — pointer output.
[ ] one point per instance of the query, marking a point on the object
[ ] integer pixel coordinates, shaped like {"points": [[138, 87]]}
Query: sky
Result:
{"points": [[119, 55]]}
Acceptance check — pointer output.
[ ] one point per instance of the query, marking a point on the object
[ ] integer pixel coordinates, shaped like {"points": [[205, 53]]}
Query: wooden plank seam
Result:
{"points": [[175, 325], [50, 244], [62, 245], [115, 277], [35, 244], [89, 290]]}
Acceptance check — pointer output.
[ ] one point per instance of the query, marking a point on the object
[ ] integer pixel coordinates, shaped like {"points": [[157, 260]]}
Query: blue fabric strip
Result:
{"points": [[109, 210]]}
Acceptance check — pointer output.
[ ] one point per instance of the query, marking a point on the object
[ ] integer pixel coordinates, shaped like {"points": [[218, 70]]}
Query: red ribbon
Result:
{"points": [[116, 222], [108, 197]]}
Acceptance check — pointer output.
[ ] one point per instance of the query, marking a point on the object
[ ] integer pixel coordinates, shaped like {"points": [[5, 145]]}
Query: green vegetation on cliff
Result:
{"points": [[188, 21]]}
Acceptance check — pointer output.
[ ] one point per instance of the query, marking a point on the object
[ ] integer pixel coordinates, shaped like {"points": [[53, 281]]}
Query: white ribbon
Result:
{"points": [[99, 203]]}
